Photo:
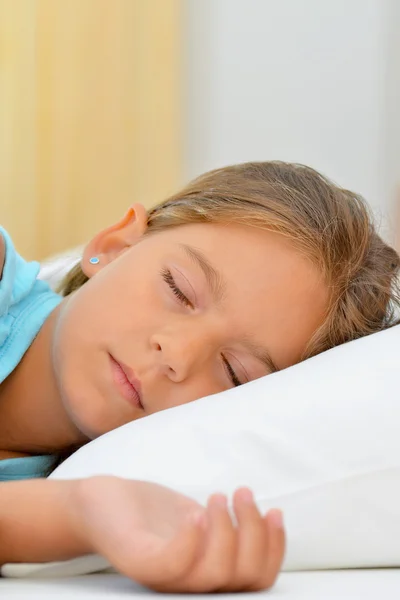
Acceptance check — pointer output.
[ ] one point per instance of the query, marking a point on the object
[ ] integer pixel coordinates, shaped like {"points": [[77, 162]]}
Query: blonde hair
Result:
{"points": [[330, 225]]}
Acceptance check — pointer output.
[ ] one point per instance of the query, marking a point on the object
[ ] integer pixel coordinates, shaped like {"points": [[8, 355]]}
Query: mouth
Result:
{"points": [[128, 386]]}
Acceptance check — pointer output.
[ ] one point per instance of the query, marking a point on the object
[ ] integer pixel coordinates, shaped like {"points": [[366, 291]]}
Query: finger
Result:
{"points": [[252, 542], [154, 563], [213, 570], [275, 550]]}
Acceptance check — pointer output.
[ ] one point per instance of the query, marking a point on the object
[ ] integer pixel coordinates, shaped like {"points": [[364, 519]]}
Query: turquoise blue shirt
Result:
{"points": [[25, 304]]}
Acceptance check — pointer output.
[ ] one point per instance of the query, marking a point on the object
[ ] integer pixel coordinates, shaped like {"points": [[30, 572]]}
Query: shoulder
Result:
{"points": [[2, 254]]}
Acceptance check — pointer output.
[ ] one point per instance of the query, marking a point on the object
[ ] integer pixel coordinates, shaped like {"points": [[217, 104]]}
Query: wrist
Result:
{"points": [[83, 496], [78, 502]]}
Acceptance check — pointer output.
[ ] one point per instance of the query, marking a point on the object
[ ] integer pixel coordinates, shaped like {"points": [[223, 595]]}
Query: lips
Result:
{"points": [[128, 386]]}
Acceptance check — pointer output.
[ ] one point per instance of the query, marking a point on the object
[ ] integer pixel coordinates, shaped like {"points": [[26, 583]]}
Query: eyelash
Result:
{"points": [[170, 281], [232, 375]]}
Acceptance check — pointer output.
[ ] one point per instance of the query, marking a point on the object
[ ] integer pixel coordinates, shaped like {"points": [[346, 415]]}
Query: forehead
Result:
{"points": [[272, 292]]}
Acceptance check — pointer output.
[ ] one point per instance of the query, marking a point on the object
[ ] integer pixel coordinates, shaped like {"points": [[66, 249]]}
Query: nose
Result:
{"points": [[181, 354]]}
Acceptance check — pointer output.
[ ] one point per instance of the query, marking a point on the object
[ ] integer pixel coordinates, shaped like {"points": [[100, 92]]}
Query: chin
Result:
{"points": [[90, 403], [87, 410], [93, 415]]}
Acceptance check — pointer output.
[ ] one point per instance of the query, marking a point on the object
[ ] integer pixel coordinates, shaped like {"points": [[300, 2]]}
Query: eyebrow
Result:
{"points": [[218, 286], [213, 277], [262, 355]]}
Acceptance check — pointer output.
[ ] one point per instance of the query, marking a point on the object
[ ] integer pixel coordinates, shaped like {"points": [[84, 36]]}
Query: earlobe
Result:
{"points": [[107, 245]]}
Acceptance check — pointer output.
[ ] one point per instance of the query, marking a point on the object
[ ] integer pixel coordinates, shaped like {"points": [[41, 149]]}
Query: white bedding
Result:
{"points": [[363, 584]]}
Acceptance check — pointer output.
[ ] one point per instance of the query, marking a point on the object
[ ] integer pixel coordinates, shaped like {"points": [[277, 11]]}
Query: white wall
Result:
{"points": [[312, 81]]}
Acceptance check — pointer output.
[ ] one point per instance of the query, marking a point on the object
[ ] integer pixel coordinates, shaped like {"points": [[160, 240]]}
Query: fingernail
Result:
{"points": [[246, 495], [220, 500], [276, 517]]}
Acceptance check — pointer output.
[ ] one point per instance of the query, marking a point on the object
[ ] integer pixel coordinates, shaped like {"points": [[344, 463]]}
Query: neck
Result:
{"points": [[32, 416]]}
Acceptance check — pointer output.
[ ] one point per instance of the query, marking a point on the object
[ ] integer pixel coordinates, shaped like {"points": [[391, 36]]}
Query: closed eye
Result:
{"points": [[232, 375], [170, 281]]}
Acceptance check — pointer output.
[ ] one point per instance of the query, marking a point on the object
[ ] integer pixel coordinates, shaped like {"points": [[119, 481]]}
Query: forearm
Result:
{"points": [[38, 521]]}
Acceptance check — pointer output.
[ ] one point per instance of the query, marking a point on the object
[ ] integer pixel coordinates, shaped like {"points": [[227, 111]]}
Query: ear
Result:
{"points": [[113, 241]]}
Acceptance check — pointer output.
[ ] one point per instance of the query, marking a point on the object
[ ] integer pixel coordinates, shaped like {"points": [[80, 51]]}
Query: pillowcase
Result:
{"points": [[319, 440], [56, 268]]}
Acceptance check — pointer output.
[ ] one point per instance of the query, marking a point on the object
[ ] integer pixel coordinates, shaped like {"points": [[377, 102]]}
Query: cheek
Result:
{"points": [[138, 307], [112, 307]]}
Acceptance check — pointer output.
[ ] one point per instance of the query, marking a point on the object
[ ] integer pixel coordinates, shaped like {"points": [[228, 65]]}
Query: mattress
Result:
{"points": [[365, 584]]}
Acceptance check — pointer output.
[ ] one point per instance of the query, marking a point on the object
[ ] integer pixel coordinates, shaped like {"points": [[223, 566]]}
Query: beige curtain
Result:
{"points": [[90, 114]]}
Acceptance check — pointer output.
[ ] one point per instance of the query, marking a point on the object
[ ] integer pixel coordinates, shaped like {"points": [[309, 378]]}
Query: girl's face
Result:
{"points": [[170, 317]]}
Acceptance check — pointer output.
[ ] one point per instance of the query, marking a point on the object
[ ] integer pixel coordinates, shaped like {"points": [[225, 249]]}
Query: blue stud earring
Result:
{"points": [[94, 260]]}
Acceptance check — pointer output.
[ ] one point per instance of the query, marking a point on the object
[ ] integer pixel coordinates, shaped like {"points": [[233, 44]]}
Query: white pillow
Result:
{"points": [[320, 440], [55, 268]]}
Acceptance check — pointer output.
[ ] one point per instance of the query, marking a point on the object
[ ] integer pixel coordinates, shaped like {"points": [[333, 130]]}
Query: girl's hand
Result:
{"points": [[168, 542]]}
